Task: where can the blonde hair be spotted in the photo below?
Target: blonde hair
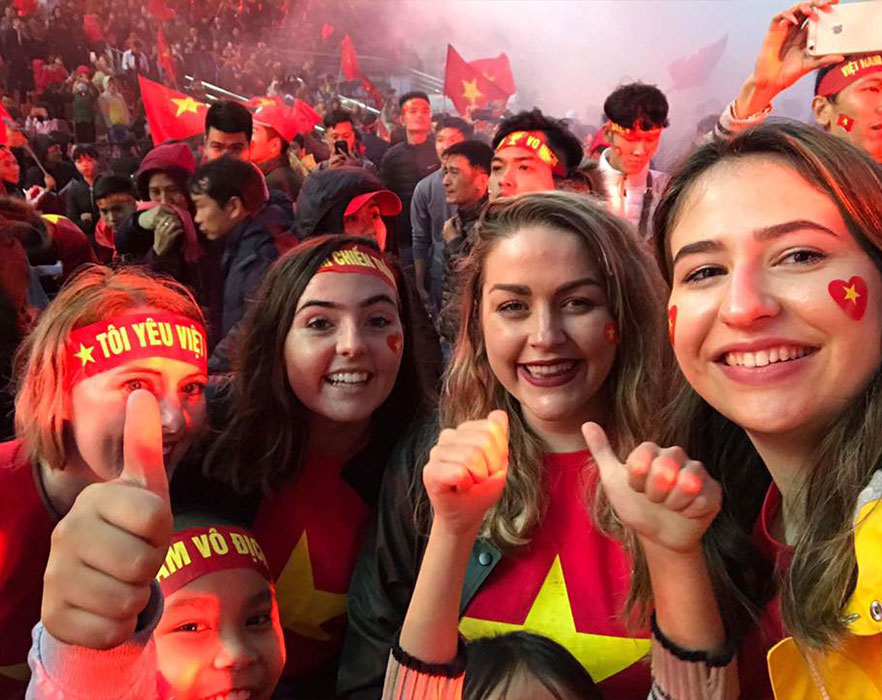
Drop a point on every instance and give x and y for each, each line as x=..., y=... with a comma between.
x=821, y=575
x=634, y=289
x=93, y=294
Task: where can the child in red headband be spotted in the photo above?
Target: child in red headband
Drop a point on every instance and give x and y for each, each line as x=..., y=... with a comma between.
x=211, y=628
x=105, y=336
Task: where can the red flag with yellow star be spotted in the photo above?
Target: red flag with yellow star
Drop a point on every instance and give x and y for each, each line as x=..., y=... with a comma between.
x=498, y=71
x=467, y=87
x=171, y=115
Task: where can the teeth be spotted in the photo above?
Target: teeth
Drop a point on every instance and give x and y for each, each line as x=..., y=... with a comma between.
x=762, y=358
x=348, y=377
x=550, y=370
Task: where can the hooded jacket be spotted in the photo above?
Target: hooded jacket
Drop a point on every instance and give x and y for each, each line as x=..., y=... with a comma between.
x=175, y=158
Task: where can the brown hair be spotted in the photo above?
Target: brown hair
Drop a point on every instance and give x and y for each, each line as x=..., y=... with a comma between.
x=92, y=294
x=634, y=290
x=264, y=444
x=820, y=578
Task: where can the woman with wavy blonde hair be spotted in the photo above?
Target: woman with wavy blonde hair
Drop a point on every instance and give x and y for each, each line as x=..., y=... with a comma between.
x=561, y=323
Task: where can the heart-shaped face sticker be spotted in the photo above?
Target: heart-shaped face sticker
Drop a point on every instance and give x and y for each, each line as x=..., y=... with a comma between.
x=394, y=342
x=672, y=322
x=611, y=333
x=851, y=296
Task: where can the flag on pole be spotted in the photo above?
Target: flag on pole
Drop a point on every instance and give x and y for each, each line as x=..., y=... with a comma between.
x=349, y=59
x=498, y=71
x=164, y=57
x=467, y=88
x=171, y=114
x=694, y=70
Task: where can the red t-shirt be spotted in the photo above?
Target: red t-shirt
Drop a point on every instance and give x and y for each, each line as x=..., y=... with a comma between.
x=25, y=529
x=569, y=584
x=753, y=671
x=312, y=532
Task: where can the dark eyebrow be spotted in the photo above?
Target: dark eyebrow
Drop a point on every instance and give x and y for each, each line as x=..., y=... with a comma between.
x=262, y=598
x=766, y=233
x=524, y=291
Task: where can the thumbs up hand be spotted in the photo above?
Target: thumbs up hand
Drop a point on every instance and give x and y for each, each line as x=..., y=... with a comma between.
x=661, y=494
x=466, y=472
x=108, y=548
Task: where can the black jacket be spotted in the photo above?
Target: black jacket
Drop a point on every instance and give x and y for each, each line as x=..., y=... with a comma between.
x=402, y=168
x=79, y=200
x=387, y=569
x=281, y=176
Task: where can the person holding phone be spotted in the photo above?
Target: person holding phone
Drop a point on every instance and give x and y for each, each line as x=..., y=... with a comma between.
x=848, y=89
x=342, y=139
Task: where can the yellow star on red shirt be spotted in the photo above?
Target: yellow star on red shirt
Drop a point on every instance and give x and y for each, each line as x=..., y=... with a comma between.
x=470, y=90
x=85, y=354
x=186, y=104
x=551, y=616
x=303, y=608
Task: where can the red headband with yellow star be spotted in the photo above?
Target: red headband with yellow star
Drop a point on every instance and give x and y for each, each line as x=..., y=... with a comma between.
x=536, y=141
x=199, y=551
x=108, y=344
x=848, y=71
x=360, y=260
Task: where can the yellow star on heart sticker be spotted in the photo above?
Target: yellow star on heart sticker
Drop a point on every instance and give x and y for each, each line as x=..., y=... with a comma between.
x=85, y=354
x=851, y=294
x=302, y=608
x=186, y=104
x=551, y=616
x=470, y=90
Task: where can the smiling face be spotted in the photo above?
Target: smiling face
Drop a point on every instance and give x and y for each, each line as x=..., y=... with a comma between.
x=97, y=412
x=344, y=348
x=543, y=315
x=517, y=170
x=220, y=634
x=764, y=331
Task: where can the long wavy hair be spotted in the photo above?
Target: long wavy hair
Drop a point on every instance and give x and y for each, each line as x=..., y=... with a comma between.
x=821, y=576
x=264, y=444
x=635, y=292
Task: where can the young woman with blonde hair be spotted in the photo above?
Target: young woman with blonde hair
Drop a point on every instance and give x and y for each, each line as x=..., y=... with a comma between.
x=561, y=323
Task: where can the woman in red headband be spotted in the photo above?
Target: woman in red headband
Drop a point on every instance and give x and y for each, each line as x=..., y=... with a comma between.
x=561, y=323
x=772, y=251
x=107, y=334
x=333, y=368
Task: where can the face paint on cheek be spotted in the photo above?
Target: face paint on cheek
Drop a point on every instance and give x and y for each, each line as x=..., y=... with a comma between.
x=395, y=342
x=851, y=296
x=672, y=322
x=611, y=333
x=845, y=122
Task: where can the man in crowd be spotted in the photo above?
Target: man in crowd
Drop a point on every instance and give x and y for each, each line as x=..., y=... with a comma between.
x=429, y=210
x=269, y=150
x=532, y=153
x=466, y=176
x=340, y=130
x=635, y=115
x=408, y=162
x=228, y=131
x=79, y=198
x=116, y=204
x=229, y=196
x=848, y=89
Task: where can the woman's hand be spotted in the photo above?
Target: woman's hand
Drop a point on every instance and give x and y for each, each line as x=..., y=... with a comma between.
x=666, y=498
x=106, y=551
x=466, y=472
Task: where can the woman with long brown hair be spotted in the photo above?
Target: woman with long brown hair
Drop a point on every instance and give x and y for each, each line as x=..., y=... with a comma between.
x=560, y=324
x=332, y=369
x=772, y=247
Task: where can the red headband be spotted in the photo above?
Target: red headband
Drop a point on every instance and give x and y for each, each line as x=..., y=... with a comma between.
x=536, y=141
x=199, y=551
x=636, y=130
x=359, y=260
x=843, y=74
x=108, y=344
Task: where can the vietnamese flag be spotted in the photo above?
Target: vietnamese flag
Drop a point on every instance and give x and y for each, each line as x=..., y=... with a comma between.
x=498, y=71
x=467, y=87
x=267, y=101
x=694, y=70
x=327, y=30
x=349, y=59
x=171, y=115
x=304, y=116
x=164, y=57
